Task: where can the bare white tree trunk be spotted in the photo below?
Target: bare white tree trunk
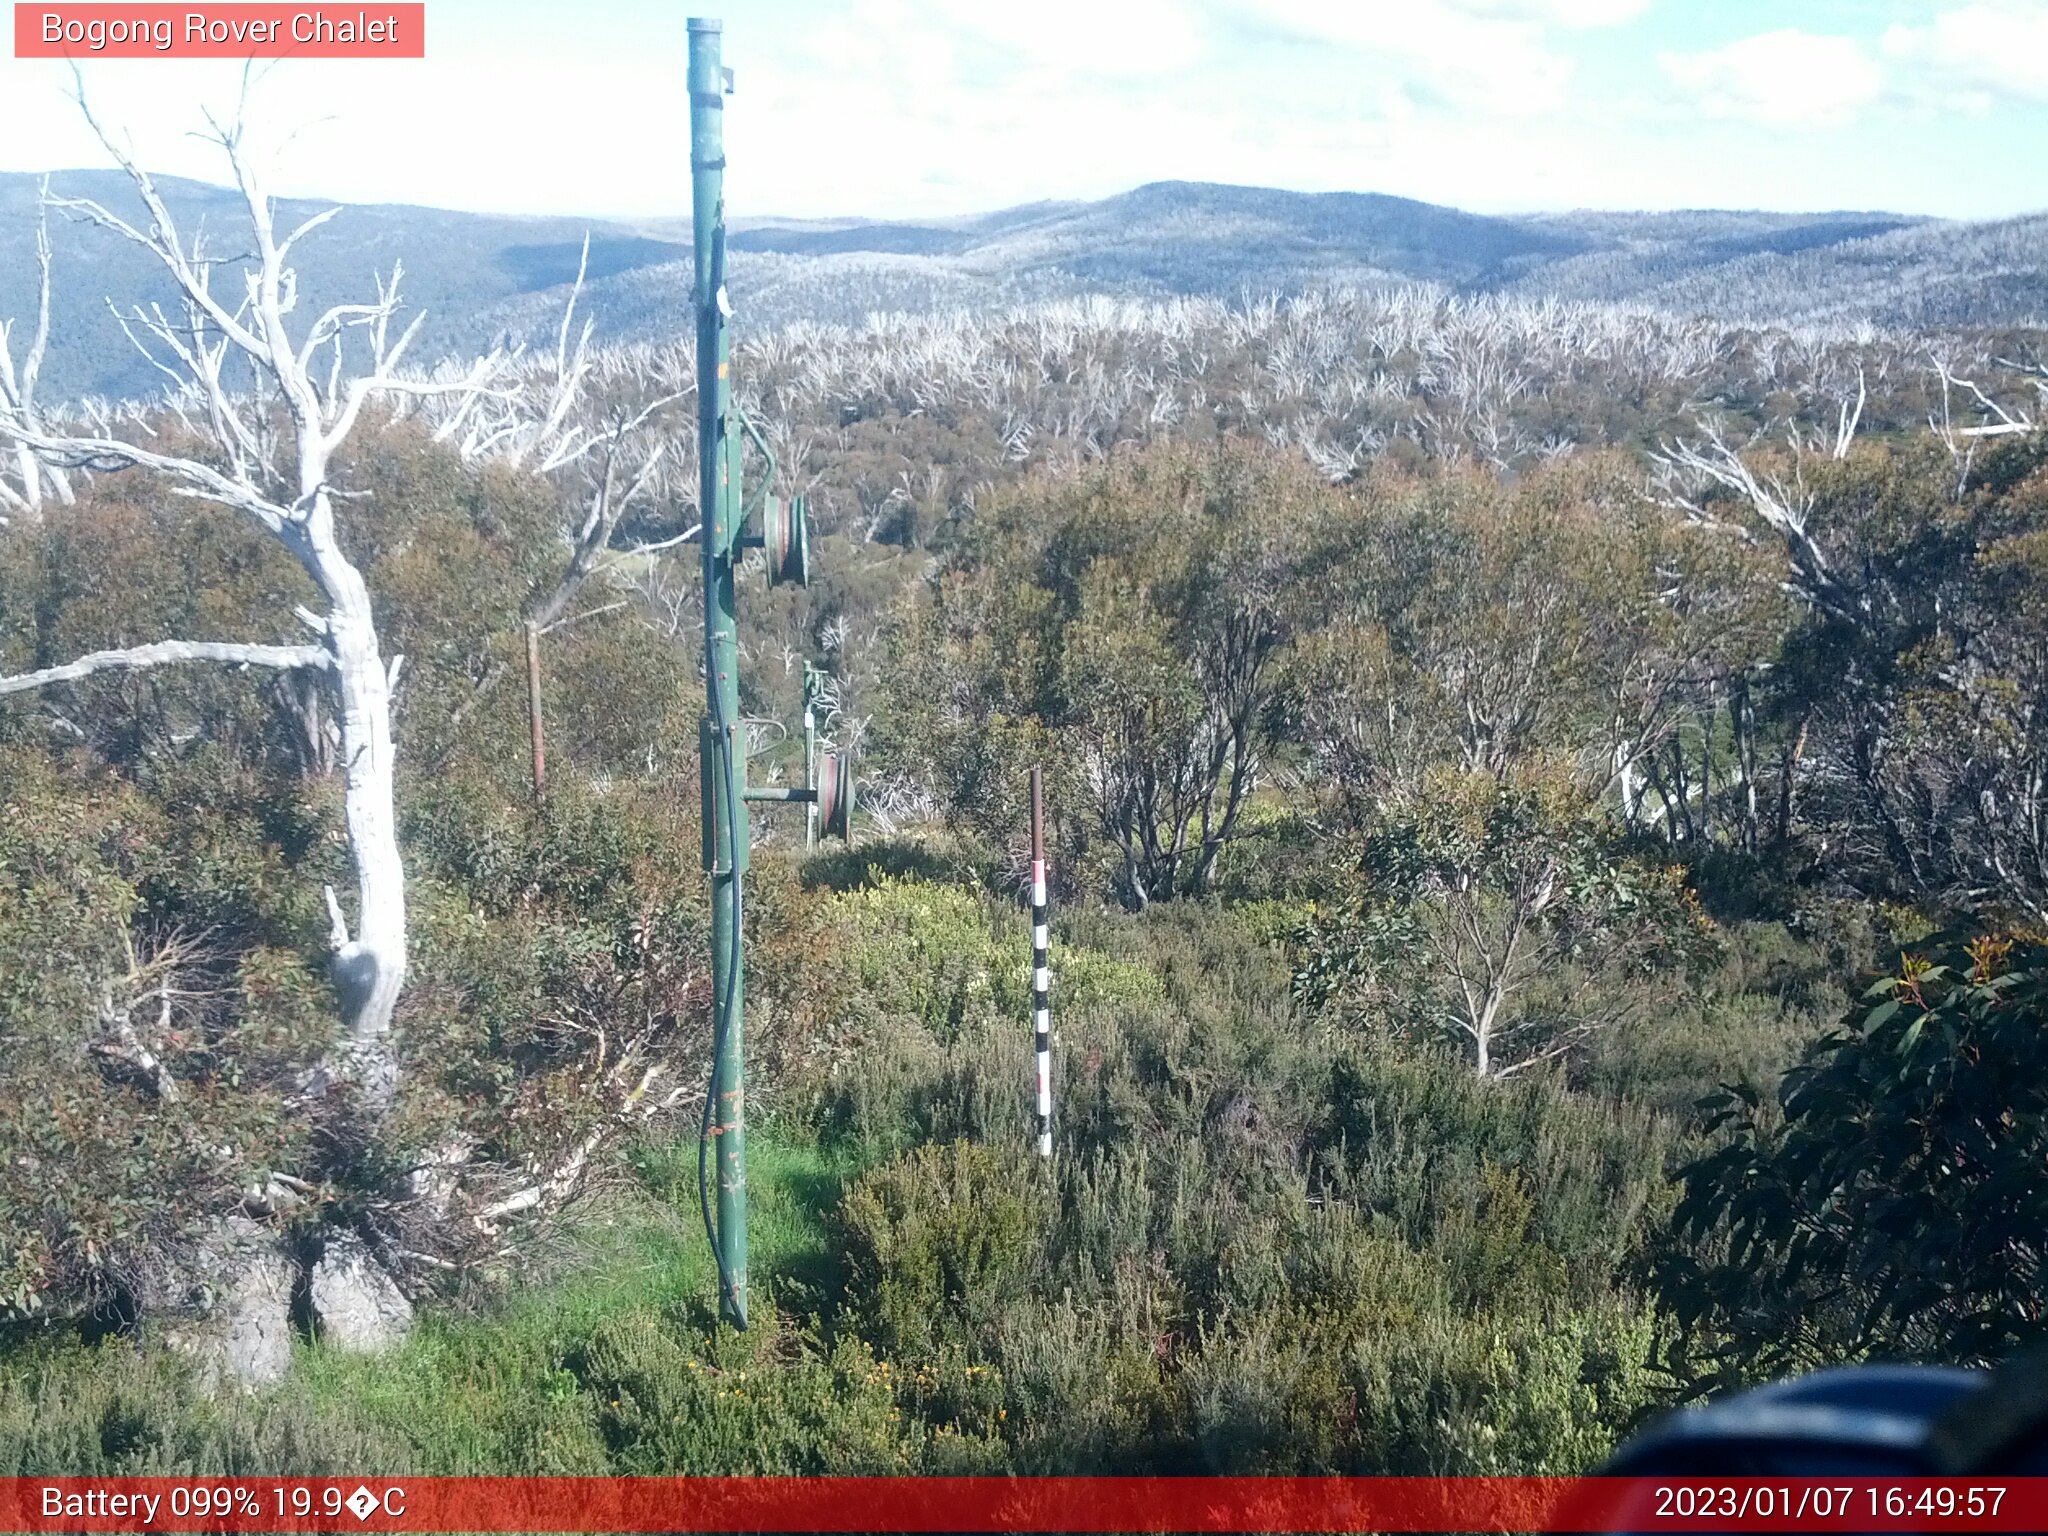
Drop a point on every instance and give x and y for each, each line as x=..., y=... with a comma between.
x=18, y=395
x=284, y=487
x=369, y=970
x=1625, y=777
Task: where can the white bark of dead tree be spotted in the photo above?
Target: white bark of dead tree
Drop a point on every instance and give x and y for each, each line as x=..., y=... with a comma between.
x=18, y=398
x=323, y=379
x=1784, y=504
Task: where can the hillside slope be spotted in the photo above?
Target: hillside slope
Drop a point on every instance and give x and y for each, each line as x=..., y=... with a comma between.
x=1925, y=273
x=456, y=265
x=482, y=277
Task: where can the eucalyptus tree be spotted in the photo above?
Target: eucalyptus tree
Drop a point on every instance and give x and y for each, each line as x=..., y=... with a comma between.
x=1912, y=686
x=272, y=402
x=1134, y=620
x=1500, y=914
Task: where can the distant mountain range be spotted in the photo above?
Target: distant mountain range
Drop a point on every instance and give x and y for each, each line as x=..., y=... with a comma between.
x=482, y=276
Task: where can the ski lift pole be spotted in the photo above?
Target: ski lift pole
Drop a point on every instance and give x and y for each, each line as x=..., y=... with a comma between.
x=720, y=739
x=1041, y=970
x=784, y=537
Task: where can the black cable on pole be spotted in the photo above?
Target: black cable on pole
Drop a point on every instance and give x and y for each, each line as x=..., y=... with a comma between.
x=721, y=731
x=722, y=1025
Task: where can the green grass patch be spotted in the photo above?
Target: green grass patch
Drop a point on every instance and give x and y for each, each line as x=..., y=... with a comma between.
x=496, y=1389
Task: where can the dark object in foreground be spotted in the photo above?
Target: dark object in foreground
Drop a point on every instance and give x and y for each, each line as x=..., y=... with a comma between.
x=1858, y=1421
x=1882, y=1421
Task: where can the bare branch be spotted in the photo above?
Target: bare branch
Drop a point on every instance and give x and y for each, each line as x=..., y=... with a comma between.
x=1848, y=417
x=104, y=453
x=167, y=653
x=1784, y=506
x=18, y=390
x=588, y=613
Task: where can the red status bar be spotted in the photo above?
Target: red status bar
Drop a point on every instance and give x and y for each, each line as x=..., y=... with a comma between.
x=972, y=1504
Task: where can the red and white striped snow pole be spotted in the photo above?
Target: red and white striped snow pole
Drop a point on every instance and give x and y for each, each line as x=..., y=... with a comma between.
x=1041, y=975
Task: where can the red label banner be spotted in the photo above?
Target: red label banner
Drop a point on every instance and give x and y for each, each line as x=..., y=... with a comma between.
x=375, y=31
x=974, y=1504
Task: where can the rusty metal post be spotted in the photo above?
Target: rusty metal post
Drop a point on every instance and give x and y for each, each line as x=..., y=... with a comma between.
x=540, y=746
x=1041, y=970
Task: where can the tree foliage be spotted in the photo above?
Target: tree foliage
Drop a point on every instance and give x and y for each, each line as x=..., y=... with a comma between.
x=1894, y=1204
x=1135, y=619
x=1500, y=914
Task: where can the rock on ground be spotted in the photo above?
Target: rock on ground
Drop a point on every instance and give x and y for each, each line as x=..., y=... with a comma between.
x=356, y=1304
x=233, y=1304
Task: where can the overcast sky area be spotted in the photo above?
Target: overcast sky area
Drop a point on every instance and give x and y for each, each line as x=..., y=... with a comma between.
x=920, y=108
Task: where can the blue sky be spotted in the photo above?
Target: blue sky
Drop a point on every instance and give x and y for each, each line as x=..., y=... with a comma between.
x=934, y=107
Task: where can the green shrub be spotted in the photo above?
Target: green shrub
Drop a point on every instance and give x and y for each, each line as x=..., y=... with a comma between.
x=937, y=1240
x=1771, y=992
x=1307, y=1388
x=1085, y=1396
x=921, y=953
x=1419, y=1143
x=930, y=856
x=116, y=1410
x=150, y=1066
x=769, y=1402
x=1894, y=1200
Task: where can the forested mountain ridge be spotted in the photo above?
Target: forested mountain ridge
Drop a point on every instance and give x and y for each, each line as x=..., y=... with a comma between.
x=481, y=276
x=455, y=264
x=1908, y=274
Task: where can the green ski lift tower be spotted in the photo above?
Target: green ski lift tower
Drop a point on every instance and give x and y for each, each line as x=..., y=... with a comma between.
x=781, y=531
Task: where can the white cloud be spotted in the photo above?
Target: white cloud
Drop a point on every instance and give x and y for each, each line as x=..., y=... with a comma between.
x=1994, y=47
x=1123, y=38
x=1498, y=65
x=1782, y=79
x=1564, y=13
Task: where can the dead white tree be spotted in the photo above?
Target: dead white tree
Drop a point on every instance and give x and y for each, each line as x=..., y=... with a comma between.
x=18, y=395
x=1998, y=420
x=620, y=464
x=272, y=443
x=1783, y=502
x=1994, y=419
